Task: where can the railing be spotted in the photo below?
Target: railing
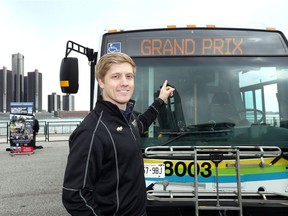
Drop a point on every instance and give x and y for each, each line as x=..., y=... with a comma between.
x=49, y=131
x=57, y=131
x=4, y=131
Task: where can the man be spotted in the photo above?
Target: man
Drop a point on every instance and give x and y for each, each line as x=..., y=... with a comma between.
x=35, y=133
x=105, y=171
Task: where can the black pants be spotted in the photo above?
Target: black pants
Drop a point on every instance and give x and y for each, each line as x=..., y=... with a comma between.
x=34, y=140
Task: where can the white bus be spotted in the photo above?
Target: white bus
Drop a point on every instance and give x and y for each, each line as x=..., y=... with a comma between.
x=220, y=145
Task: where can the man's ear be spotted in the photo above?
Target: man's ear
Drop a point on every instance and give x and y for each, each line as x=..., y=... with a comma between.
x=101, y=83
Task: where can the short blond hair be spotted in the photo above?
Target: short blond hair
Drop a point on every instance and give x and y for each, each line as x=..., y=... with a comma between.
x=106, y=61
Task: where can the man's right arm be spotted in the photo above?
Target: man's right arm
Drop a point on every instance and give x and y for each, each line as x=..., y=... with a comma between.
x=80, y=176
x=79, y=202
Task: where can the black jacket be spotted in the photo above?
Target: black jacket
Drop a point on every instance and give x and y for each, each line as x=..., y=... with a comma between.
x=105, y=172
x=35, y=126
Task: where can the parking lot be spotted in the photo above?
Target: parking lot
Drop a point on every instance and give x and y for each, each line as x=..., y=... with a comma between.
x=32, y=185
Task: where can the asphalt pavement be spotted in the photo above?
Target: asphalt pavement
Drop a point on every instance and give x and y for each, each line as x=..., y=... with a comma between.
x=32, y=185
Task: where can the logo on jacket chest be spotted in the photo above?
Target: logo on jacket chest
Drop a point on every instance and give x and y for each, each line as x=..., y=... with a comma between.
x=120, y=128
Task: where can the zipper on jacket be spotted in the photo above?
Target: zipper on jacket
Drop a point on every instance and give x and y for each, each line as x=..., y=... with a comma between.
x=132, y=132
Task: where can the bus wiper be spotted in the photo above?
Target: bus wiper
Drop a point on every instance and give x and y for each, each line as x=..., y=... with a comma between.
x=211, y=126
x=201, y=129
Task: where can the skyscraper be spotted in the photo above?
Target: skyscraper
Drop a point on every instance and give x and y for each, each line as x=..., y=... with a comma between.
x=68, y=102
x=5, y=89
x=15, y=87
x=33, y=90
x=18, y=77
x=54, y=102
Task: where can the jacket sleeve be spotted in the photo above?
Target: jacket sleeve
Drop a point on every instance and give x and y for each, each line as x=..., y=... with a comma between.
x=81, y=174
x=149, y=116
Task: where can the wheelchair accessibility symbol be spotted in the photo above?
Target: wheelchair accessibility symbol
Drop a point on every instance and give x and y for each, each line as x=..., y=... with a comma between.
x=113, y=47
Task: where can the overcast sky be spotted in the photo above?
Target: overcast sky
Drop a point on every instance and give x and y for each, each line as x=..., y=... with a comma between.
x=39, y=29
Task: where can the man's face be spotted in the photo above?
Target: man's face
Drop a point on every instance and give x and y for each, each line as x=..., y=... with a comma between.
x=118, y=84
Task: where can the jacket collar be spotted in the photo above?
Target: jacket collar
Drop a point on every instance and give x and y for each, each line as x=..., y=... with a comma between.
x=113, y=107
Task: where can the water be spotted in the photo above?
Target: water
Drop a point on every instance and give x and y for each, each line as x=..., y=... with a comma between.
x=48, y=126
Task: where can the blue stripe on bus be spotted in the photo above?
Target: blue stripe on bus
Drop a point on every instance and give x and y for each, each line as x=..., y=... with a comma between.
x=226, y=179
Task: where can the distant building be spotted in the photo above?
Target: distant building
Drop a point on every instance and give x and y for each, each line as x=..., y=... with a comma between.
x=33, y=90
x=17, y=77
x=68, y=102
x=15, y=87
x=54, y=102
x=5, y=90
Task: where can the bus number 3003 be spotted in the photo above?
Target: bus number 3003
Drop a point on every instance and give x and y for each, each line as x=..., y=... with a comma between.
x=180, y=169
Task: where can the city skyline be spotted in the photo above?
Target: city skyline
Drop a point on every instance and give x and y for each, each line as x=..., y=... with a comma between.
x=18, y=86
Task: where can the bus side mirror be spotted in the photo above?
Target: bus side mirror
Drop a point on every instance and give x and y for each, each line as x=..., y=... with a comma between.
x=69, y=75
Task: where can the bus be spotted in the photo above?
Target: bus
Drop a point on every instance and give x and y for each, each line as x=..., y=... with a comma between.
x=220, y=144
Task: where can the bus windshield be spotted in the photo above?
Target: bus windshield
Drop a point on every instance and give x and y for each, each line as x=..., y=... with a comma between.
x=231, y=100
x=231, y=84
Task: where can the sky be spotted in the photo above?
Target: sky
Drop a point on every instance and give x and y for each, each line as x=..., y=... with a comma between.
x=40, y=29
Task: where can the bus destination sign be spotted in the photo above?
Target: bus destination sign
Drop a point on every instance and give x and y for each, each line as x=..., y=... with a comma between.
x=190, y=46
x=179, y=42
